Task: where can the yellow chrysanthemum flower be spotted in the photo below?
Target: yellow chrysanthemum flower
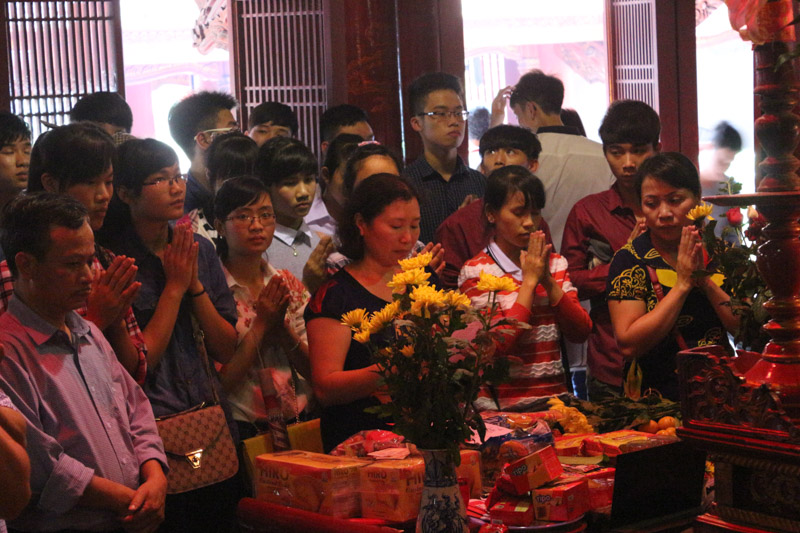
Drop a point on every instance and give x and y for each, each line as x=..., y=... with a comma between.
x=701, y=211
x=401, y=280
x=407, y=350
x=490, y=283
x=419, y=261
x=425, y=299
x=383, y=317
x=354, y=319
x=362, y=336
x=459, y=301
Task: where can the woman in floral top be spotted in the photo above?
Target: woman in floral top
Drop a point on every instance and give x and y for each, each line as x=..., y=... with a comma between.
x=269, y=303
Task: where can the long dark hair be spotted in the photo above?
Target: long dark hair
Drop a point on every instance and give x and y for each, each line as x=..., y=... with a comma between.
x=136, y=160
x=233, y=194
x=369, y=200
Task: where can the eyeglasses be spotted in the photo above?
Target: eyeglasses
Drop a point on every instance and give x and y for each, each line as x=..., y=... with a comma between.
x=216, y=132
x=265, y=218
x=158, y=182
x=443, y=115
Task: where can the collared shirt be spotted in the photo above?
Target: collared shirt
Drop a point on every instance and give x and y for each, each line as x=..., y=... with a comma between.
x=571, y=167
x=131, y=325
x=291, y=248
x=318, y=219
x=247, y=402
x=596, y=228
x=179, y=381
x=198, y=196
x=537, y=370
x=86, y=416
x=440, y=198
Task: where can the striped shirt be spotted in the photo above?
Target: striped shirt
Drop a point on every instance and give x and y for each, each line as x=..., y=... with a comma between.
x=536, y=369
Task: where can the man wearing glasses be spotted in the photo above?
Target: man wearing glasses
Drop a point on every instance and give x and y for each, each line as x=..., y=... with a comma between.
x=444, y=181
x=194, y=122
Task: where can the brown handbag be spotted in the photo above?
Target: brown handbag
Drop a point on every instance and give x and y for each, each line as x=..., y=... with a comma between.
x=199, y=447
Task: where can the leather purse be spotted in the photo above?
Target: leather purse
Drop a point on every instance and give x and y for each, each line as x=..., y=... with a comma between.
x=199, y=447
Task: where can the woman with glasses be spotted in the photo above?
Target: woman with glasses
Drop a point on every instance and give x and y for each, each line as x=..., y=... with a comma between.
x=272, y=344
x=183, y=294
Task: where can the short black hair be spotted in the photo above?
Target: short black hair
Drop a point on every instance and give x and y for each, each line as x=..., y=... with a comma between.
x=630, y=121
x=340, y=150
x=369, y=200
x=12, y=129
x=28, y=219
x=509, y=179
x=361, y=153
x=275, y=112
x=570, y=117
x=672, y=168
x=508, y=136
x=726, y=136
x=194, y=114
x=281, y=158
x=228, y=155
x=103, y=106
x=421, y=87
x=72, y=154
x=336, y=117
x=536, y=86
x=235, y=193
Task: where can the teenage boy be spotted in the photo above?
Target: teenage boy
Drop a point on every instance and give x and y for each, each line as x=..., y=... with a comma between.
x=109, y=110
x=97, y=461
x=15, y=158
x=443, y=180
x=343, y=118
x=571, y=167
x=601, y=224
x=289, y=169
x=271, y=119
x=464, y=234
x=193, y=123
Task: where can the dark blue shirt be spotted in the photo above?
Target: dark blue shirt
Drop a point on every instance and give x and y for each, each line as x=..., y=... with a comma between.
x=198, y=197
x=179, y=381
x=439, y=198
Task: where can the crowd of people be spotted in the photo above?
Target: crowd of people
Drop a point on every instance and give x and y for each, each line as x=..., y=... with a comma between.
x=131, y=291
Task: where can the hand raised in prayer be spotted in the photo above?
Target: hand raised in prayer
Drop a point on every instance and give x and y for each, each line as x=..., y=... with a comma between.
x=314, y=270
x=113, y=291
x=272, y=302
x=180, y=259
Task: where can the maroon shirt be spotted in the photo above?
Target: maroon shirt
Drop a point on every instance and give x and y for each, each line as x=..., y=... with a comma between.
x=598, y=226
x=463, y=235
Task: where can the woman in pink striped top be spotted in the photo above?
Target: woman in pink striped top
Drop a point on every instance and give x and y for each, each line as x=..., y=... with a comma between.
x=545, y=298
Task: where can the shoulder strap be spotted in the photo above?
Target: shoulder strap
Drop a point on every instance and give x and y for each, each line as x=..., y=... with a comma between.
x=199, y=340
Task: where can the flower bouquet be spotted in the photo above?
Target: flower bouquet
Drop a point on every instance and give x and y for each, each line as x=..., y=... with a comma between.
x=439, y=353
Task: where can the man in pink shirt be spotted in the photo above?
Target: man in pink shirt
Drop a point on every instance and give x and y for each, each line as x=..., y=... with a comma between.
x=97, y=461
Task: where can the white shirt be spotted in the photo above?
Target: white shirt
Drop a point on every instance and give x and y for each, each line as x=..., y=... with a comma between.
x=291, y=248
x=318, y=219
x=571, y=167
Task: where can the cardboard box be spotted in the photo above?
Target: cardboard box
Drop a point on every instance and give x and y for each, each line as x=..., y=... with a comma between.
x=572, y=445
x=562, y=502
x=513, y=511
x=392, y=489
x=601, y=487
x=470, y=468
x=534, y=470
x=611, y=444
x=310, y=481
